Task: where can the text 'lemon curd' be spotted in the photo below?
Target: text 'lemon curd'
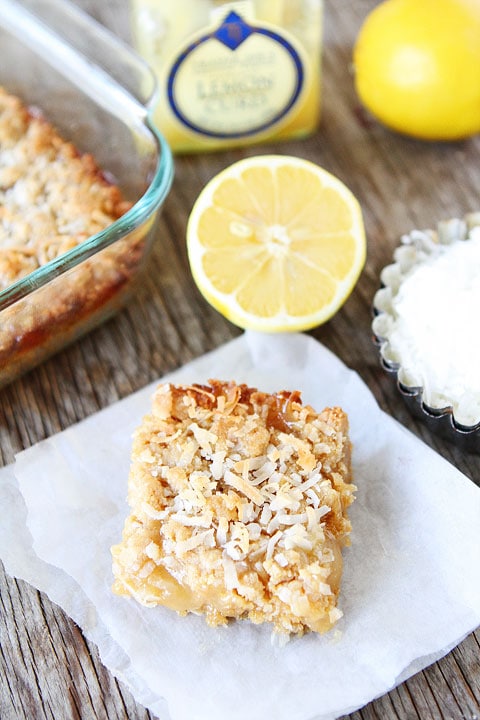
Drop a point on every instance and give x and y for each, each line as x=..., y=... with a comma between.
x=232, y=73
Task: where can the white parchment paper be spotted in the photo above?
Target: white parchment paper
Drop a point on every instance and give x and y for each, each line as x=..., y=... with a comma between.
x=411, y=583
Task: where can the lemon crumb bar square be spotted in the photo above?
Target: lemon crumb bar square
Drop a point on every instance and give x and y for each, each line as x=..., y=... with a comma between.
x=239, y=507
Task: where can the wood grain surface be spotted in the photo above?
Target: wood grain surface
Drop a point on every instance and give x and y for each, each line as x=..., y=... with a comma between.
x=48, y=670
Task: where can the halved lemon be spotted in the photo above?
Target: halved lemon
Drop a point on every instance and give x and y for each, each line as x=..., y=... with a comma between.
x=276, y=243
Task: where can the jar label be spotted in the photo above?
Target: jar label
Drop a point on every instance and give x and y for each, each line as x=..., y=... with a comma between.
x=237, y=80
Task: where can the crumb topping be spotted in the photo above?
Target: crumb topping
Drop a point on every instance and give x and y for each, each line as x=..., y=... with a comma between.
x=51, y=197
x=241, y=496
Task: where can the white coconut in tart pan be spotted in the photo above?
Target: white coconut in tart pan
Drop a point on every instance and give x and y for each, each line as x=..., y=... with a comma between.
x=427, y=325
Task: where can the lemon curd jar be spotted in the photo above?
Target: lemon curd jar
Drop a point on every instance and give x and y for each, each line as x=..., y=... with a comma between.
x=232, y=73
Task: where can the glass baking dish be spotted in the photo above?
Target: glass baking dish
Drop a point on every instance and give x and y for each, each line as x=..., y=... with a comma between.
x=97, y=93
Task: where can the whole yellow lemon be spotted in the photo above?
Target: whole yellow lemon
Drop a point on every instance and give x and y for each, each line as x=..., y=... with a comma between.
x=417, y=67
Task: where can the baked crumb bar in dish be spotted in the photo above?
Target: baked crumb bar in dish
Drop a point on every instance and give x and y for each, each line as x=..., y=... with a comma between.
x=52, y=199
x=239, y=505
x=84, y=174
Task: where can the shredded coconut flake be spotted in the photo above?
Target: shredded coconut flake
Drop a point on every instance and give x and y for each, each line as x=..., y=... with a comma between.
x=222, y=531
x=243, y=486
x=334, y=615
x=205, y=438
x=152, y=551
x=265, y=515
x=230, y=572
x=204, y=538
x=285, y=519
x=216, y=466
x=281, y=560
x=296, y=536
x=192, y=520
x=271, y=544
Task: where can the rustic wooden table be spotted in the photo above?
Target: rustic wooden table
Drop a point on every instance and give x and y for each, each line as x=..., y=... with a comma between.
x=47, y=668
